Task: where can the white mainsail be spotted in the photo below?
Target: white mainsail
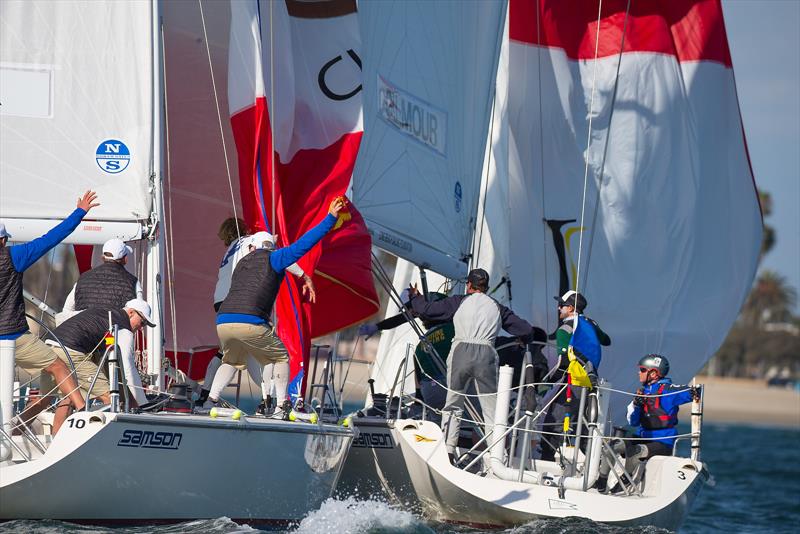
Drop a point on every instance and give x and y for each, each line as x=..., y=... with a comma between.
x=76, y=88
x=428, y=79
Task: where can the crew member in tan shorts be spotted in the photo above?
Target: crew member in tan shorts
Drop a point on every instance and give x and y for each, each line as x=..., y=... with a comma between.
x=16, y=341
x=243, y=319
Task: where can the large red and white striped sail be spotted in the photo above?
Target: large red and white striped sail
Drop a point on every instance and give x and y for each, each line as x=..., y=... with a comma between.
x=294, y=84
x=667, y=244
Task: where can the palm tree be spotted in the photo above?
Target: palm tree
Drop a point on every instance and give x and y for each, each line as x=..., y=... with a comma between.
x=771, y=300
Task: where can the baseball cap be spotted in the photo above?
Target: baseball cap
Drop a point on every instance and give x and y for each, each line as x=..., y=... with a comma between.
x=572, y=298
x=115, y=249
x=3, y=231
x=259, y=238
x=479, y=278
x=143, y=308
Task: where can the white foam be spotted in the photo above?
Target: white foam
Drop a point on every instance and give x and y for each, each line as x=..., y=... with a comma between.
x=351, y=516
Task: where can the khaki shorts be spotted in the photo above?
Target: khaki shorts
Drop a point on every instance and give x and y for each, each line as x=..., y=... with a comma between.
x=85, y=368
x=238, y=340
x=32, y=354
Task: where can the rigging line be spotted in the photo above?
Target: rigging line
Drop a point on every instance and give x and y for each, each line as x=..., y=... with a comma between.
x=47, y=285
x=588, y=143
x=219, y=115
x=272, y=119
x=608, y=136
x=168, y=238
x=547, y=307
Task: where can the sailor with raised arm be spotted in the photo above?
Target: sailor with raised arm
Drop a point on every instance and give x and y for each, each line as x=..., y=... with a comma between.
x=233, y=232
x=243, y=320
x=477, y=319
x=16, y=341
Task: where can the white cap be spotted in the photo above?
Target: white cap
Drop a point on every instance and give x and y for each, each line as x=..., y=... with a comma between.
x=115, y=249
x=259, y=238
x=3, y=231
x=143, y=308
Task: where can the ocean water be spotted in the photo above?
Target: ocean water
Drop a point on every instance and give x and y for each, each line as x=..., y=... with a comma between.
x=755, y=487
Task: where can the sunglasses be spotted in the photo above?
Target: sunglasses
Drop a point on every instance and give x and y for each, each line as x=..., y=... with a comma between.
x=643, y=369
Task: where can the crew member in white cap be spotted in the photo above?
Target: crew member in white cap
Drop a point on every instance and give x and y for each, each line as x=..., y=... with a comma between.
x=83, y=336
x=108, y=286
x=243, y=320
x=233, y=232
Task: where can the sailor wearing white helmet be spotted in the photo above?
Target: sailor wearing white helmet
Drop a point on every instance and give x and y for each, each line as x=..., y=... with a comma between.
x=243, y=320
x=233, y=233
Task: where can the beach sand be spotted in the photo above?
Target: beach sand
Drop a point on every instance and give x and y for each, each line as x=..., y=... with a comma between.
x=741, y=400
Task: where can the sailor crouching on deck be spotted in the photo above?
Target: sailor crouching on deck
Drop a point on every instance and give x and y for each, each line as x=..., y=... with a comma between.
x=83, y=336
x=243, y=321
x=477, y=319
x=31, y=352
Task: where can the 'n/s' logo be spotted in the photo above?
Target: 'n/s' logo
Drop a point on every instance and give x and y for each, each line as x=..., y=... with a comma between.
x=112, y=156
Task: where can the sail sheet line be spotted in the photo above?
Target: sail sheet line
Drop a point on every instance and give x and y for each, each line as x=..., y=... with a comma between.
x=219, y=116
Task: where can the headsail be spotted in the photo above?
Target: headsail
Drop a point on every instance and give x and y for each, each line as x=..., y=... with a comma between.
x=294, y=79
x=669, y=241
x=428, y=84
x=59, y=134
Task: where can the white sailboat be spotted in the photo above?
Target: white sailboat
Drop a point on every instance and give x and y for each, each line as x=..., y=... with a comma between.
x=119, y=97
x=636, y=217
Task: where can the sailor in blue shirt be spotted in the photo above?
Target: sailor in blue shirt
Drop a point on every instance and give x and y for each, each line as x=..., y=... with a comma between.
x=243, y=320
x=657, y=415
x=17, y=342
x=654, y=410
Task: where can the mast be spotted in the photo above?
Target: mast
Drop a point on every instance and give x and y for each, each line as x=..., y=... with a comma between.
x=155, y=260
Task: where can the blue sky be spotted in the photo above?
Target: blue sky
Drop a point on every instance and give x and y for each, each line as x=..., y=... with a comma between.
x=764, y=37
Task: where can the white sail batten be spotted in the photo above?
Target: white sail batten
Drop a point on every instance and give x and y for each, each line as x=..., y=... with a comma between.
x=87, y=233
x=76, y=114
x=427, y=101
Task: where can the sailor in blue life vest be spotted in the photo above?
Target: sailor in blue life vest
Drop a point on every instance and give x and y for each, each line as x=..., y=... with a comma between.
x=657, y=415
x=654, y=410
x=586, y=344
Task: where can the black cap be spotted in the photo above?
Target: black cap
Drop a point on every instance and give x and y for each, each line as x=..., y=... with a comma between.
x=479, y=279
x=574, y=299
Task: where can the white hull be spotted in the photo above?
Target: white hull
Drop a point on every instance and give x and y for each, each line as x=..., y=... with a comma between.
x=375, y=463
x=454, y=495
x=160, y=468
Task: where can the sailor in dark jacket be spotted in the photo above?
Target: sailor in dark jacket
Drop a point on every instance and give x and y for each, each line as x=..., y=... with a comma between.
x=477, y=319
x=16, y=341
x=108, y=286
x=243, y=320
x=83, y=336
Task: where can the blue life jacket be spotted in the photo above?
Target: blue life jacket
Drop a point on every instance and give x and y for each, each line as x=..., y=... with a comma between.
x=585, y=342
